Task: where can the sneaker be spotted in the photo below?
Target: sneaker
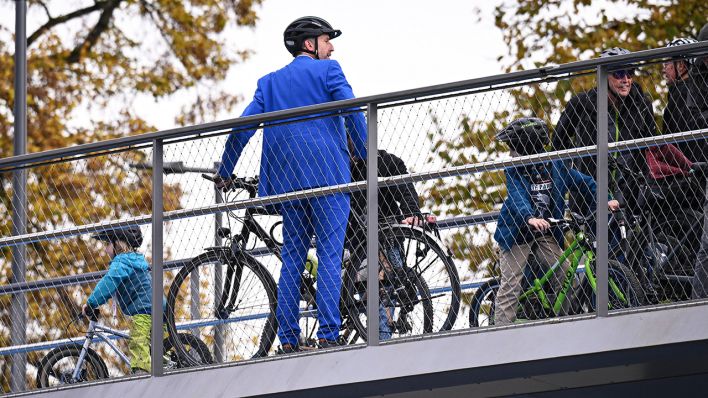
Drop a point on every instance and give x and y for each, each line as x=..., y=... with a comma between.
x=324, y=343
x=287, y=349
x=139, y=372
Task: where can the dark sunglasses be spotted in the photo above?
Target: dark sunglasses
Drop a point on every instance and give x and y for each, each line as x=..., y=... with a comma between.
x=620, y=74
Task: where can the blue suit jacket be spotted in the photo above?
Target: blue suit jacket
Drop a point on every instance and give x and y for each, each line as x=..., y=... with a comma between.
x=517, y=208
x=306, y=154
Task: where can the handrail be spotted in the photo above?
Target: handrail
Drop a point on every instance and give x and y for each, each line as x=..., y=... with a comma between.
x=255, y=120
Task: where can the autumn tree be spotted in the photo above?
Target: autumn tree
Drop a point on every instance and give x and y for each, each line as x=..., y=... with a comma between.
x=88, y=62
x=538, y=33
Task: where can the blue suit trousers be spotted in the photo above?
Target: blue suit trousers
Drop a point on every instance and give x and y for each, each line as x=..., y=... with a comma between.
x=325, y=217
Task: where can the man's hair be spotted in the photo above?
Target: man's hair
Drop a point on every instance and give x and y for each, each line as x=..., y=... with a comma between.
x=311, y=40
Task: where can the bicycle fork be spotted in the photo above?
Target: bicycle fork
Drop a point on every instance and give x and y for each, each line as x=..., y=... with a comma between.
x=232, y=285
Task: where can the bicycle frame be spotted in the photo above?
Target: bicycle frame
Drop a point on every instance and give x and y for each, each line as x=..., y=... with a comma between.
x=98, y=331
x=578, y=248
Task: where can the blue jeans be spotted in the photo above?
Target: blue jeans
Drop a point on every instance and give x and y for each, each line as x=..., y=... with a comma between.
x=386, y=307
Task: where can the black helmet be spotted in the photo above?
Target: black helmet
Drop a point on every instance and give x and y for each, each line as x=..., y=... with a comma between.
x=131, y=235
x=703, y=34
x=611, y=52
x=526, y=136
x=681, y=41
x=305, y=28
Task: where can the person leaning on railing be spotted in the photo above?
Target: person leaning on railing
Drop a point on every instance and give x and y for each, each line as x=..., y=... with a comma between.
x=630, y=116
x=302, y=155
x=535, y=193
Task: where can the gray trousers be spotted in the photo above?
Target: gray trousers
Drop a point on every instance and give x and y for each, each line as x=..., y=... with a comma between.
x=512, y=264
x=699, y=283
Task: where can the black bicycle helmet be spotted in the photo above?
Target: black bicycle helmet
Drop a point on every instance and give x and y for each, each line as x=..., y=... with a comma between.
x=133, y=236
x=611, y=52
x=526, y=136
x=304, y=28
x=679, y=42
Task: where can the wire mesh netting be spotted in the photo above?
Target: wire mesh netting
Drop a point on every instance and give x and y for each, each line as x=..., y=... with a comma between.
x=463, y=241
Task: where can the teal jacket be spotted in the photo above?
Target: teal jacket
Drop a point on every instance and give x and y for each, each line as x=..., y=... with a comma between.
x=128, y=279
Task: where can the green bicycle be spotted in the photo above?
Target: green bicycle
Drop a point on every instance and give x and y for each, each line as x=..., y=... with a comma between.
x=577, y=294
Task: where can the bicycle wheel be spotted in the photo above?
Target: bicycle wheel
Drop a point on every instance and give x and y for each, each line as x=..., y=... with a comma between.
x=686, y=227
x=629, y=291
x=482, y=304
x=196, y=349
x=57, y=367
x=235, y=314
x=435, y=272
x=309, y=323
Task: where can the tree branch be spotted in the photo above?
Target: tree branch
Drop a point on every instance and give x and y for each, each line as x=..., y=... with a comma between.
x=101, y=26
x=52, y=22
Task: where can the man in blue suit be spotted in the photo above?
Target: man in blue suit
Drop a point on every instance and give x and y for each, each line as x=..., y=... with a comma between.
x=301, y=155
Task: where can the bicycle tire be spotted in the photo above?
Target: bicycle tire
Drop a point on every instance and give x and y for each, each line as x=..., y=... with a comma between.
x=420, y=253
x=93, y=368
x=247, y=330
x=309, y=323
x=686, y=227
x=412, y=315
x=626, y=281
x=199, y=351
x=482, y=305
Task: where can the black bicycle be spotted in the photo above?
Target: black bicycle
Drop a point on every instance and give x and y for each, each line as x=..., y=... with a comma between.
x=237, y=316
x=660, y=250
x=236, y=313
x=419, y=288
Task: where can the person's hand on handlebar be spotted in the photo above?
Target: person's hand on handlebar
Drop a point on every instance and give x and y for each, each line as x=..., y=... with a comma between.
x=539, y=224
x=613, y=205
x=220, y=182
x=90, y=313
x=418, y=220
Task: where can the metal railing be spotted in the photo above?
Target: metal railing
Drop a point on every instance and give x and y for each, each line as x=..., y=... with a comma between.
x=373, y=105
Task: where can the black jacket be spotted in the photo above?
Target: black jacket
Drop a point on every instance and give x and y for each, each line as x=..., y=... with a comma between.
x=687, y=109
x=633, y=118
x=682, y=113
x=395, y=202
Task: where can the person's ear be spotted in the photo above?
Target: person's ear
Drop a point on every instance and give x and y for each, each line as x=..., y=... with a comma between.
x=309, y=45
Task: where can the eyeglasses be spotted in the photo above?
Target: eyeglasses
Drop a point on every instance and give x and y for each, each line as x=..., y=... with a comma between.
x=620, y=74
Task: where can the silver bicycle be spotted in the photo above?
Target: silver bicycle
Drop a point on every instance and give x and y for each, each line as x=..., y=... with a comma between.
x=77, y=362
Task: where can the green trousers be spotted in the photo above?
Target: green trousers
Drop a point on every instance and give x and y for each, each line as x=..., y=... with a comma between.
x=139, y=343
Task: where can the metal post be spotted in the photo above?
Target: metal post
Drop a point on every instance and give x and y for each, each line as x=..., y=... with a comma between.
x=601, y=259
x=218, y=278
x=18, y=304
x=372, y=227
x=157, y=258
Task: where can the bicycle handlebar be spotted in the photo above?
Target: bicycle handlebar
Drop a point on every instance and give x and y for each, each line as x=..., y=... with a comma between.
x=249, y=184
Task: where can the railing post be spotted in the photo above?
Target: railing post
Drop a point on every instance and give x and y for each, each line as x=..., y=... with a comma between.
x=372, y=227
x=601, y=258
x=218, y=277
x=18, y=306
x=157, y=259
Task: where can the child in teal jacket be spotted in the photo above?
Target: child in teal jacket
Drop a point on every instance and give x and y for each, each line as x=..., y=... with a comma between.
x=128, y=281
